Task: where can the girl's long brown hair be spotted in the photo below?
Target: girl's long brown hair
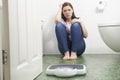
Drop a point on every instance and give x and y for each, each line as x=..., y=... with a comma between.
x=68, y=4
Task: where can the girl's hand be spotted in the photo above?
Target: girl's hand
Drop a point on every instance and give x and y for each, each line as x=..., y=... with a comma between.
x=60, y=6
x=75, y=20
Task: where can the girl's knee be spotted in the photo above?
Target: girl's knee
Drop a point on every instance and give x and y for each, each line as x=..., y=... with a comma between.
x=59, y=25
x=75, y=25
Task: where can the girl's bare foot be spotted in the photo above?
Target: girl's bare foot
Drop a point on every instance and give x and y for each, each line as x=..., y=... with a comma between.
x=73, y=55
x=66, y=56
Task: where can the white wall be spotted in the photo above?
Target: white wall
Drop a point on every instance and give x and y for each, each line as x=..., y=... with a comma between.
x=86, y=9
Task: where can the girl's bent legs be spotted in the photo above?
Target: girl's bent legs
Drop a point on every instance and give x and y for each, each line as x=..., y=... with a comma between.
x=61, y=35
x=78, y=43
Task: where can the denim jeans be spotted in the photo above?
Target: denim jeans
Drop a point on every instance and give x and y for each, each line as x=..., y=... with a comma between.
x=75, y=44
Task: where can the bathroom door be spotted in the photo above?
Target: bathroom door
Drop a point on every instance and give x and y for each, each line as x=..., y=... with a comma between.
x=25, y=43
x=1, y=65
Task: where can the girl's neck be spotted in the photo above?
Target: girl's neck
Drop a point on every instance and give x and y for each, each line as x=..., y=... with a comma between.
x=68, y=20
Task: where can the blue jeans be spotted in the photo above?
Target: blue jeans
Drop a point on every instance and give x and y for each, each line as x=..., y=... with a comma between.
x=75, y=44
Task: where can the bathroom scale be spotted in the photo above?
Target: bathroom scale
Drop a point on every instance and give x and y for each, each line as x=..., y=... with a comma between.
x=66, y=70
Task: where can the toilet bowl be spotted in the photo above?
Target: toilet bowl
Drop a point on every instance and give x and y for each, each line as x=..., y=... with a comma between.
x=110, y=34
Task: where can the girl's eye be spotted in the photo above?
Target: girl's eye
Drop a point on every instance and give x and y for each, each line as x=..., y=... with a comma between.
x=69, y=10
x=64, y=10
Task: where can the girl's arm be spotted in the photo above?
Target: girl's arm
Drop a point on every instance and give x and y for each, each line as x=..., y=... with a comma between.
x=85, y=33
x=58, y=17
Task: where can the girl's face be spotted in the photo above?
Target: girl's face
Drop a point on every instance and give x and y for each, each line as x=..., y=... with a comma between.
x=67, y=12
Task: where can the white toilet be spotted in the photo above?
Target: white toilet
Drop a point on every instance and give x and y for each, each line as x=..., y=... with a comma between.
x=110, y=34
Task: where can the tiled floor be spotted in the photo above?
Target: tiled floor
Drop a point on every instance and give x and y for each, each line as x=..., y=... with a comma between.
x=99, y=67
